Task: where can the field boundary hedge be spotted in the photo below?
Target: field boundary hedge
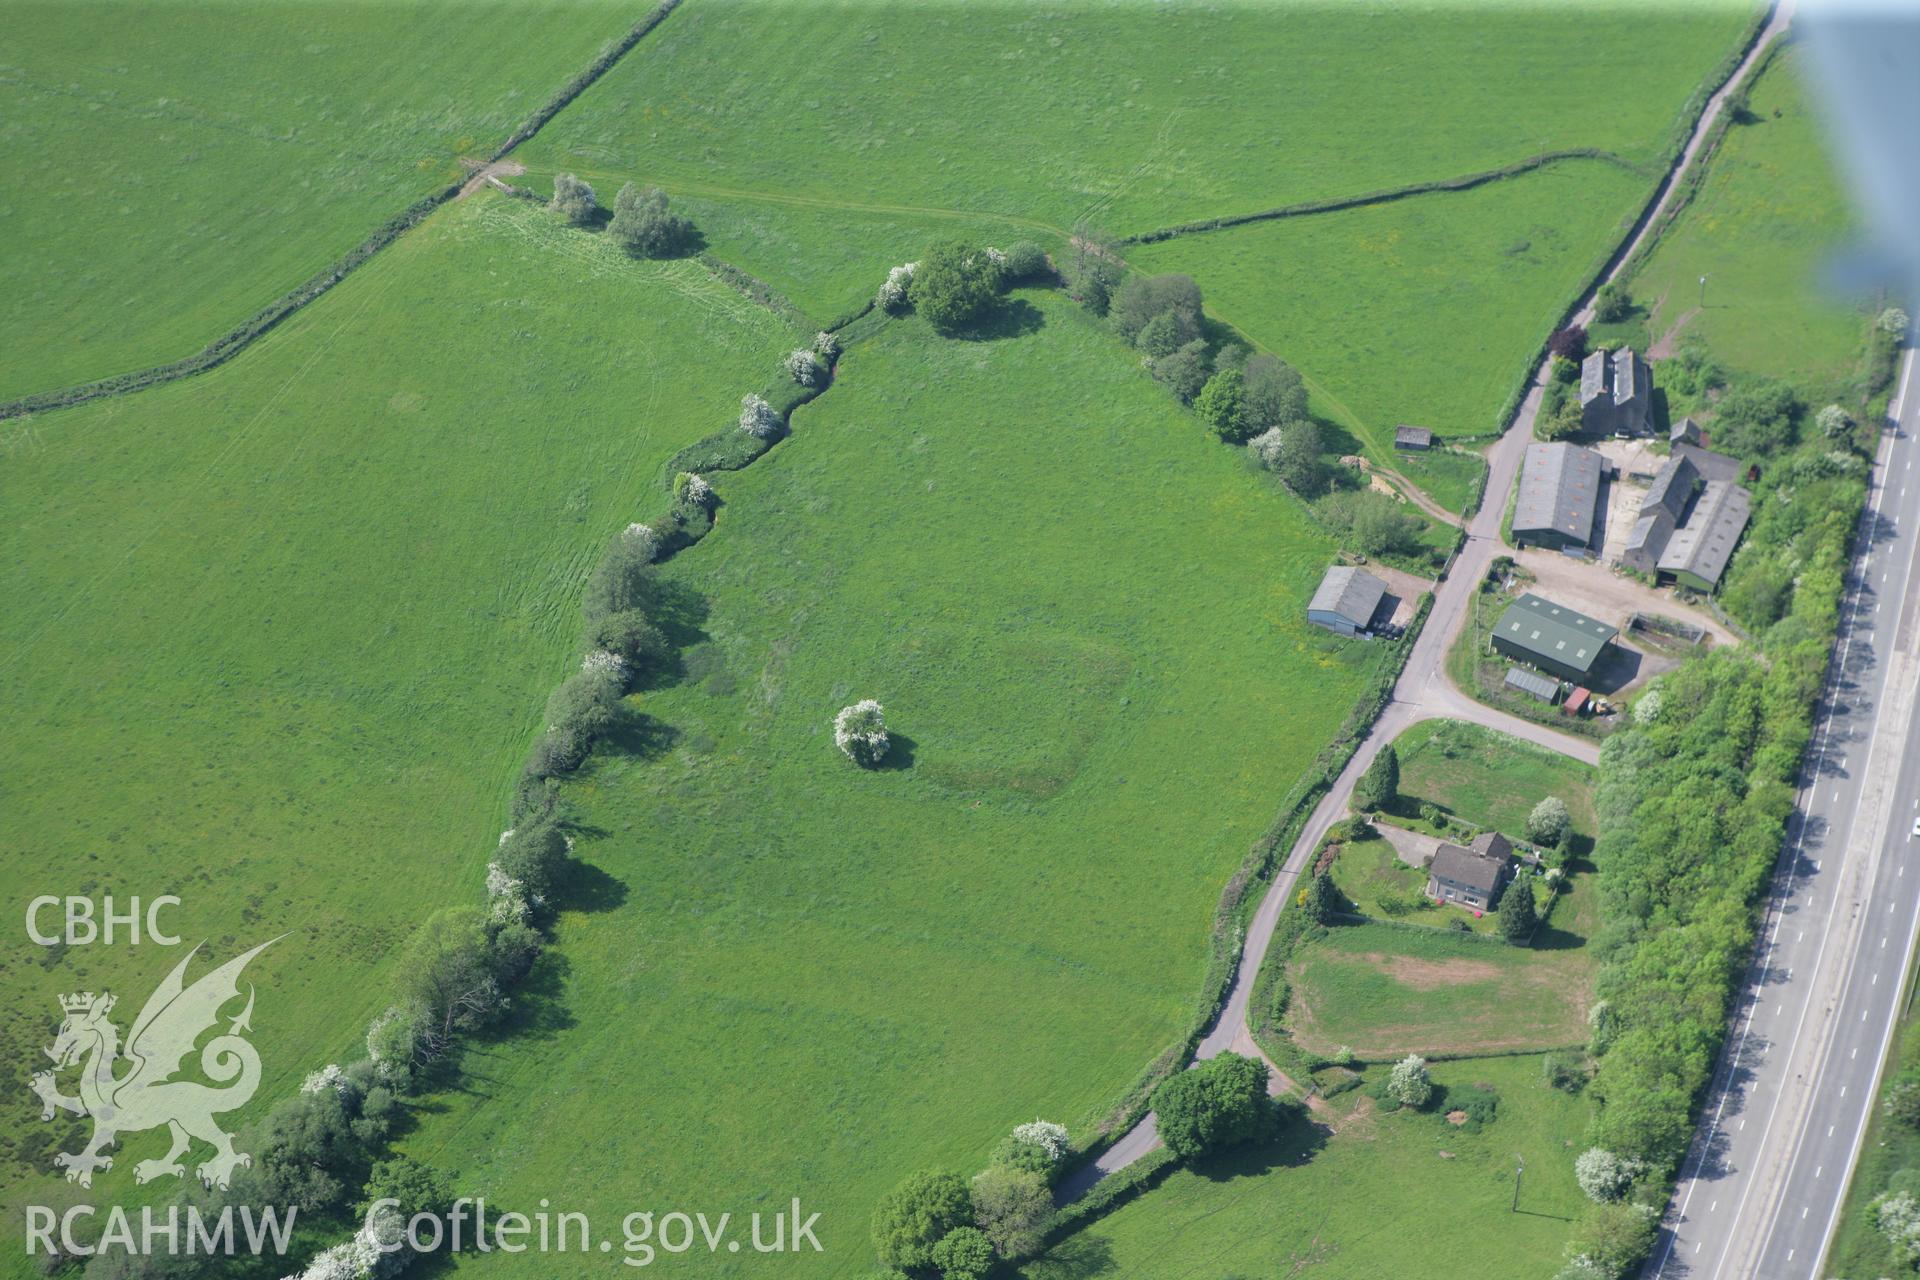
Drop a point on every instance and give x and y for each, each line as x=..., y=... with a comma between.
x=1384, y=195
x=1614, y=263
x=1228, y=936
x=239, y=338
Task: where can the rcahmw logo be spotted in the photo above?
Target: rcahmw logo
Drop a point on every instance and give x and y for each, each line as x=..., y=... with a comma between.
x=147, y=1094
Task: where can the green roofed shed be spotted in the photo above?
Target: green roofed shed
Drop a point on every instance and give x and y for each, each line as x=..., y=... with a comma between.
x=1552, y=637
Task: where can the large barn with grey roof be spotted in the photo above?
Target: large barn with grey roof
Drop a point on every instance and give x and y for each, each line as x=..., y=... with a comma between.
x=1690, y=519
x=1559, y=497
x=1553, y=638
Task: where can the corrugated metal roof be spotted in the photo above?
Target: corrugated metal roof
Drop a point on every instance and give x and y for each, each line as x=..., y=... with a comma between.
x=1559, y=489
x=1530, y=682
x=1564, y=636
x=1348, y=593
x=1703, y=545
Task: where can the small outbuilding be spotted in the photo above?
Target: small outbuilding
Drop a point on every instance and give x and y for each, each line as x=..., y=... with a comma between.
x=1471, y=875
x=1553, y=638
x=1346, y=601
x=1685, y=431
x=1533, y=684
x=1419, y=438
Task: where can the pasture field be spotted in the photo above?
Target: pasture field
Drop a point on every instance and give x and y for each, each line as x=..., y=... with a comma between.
x=1085, y=621
x=1426, y=310
x=163, y=194
x=1131, y=117
x=277, y=636
x=1387, y=992
x=1761, y=229
x=1386, y=1194
x=1452, y=478
x=1490, y=778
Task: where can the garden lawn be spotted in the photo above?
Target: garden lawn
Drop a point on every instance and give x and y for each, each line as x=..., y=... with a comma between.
x=1085, y=622
x=277, y=637
x=1386, y=992
x=1762, y=228
x=1403, y=1194
x=176, y=166
x=1490, y=778
x=1428, y=310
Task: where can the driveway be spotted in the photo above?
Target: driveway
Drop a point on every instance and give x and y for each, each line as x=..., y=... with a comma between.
x=1599, y=592
x=1415, y=848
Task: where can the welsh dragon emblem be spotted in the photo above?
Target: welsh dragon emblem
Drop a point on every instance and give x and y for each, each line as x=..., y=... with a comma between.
x=146, y=1095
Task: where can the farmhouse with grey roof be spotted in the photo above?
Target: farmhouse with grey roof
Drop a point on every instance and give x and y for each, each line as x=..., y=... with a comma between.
x=1616, y=394
x=1559, y=497
x=1473, y=875
x=1689, y=520
x=1346, y=600
x=1552, y=637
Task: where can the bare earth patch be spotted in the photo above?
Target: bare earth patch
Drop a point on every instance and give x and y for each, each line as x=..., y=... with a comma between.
x=1430, y=975
x=1456, y=1118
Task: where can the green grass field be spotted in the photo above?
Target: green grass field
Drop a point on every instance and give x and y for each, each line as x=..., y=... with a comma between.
x=277, y=636
x=1423, y=311
x=1766, y=219
x=1386, y=992
x=1490, y=778
x=163, y=194
x=814, y=980
x=1386, y=1195
x=1131, y=117
x=1891, y=1151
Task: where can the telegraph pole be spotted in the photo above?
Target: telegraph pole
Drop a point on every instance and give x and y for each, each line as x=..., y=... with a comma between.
x=1703, y=293
x=1520, y=1167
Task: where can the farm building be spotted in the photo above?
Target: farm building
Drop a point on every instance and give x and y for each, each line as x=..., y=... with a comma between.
x=1552, y=637
x=1697, y=553
x=1471, y=875
x=1689, y=522
x=1412, y=438
x=1559, y=497
x=1616, y=394
x=1346, y=600
x=1685, y=431
x=1534, y=685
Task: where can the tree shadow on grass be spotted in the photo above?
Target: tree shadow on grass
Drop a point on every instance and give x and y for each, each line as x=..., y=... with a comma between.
x=1013, y=318
x=1297, y=1143
x=581, y=886
x=900, y=753
x=642, y=736
x=1078, y=1257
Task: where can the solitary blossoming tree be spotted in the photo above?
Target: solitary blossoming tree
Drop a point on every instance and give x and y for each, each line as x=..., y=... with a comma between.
x=1408, y=1083
x=893, y=294
x=861, y=731
x=805, y=368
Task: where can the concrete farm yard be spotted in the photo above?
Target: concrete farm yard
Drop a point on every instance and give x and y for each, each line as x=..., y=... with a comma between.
x=318, y=645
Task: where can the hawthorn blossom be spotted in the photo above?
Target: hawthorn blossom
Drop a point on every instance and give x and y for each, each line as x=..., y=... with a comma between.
x=327, y=1077
x=826, y=345
x=804, y=367
x=1050, y=1137
x=861, y=732
x=643, y=536
x=694, y=488
x=604, y=662
x=1266, y=448
x=893, y=294
x=757, y=418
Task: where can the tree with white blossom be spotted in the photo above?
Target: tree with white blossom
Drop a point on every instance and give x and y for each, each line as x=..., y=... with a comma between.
x=1408, y=1082
x=1647, y=710
x=758, y=418
x=1894, y=321
x=805, y=368
x=327, y=1077
x=893, y=294
x=1897, y=1214
x=1605, y=1176
x=861, y=732
x=1045, y=1134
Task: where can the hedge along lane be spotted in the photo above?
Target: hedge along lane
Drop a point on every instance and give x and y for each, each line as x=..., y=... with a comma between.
x=239, y=338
